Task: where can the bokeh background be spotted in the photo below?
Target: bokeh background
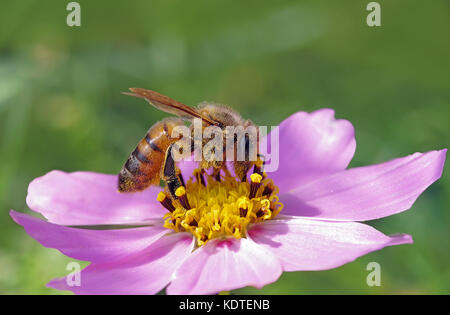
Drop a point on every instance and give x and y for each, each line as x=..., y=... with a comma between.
x=61, y=107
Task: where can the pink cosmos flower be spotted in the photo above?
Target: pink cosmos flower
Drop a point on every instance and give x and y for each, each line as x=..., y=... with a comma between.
x=316, y=230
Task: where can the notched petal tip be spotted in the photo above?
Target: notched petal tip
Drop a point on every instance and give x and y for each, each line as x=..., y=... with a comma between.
x=16, y=216
x=368, y=192
x=22, y=218
x=319, y=143
x=399, y=239
x=57, y=284
x=442, y=154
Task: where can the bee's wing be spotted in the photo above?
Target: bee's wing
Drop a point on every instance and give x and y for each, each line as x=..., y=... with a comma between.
x=169, y=105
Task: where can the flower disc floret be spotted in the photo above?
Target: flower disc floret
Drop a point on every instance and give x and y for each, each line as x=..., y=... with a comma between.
x=222, y=207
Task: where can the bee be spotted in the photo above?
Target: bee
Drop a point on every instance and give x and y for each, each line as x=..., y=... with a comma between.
x=152, y=159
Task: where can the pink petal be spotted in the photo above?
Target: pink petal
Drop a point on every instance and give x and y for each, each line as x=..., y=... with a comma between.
x=367, y=193
x=84, y=198
x=187, y=167
x=147, y=272
x=223, y=265
x=312, y=145
x=304, y=244
x=90, y=245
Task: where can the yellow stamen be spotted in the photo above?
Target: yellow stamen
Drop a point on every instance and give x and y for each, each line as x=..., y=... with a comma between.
x=256, y=178
x=222, y=208
x=181, y=191
x=165, y=201
x=161, y=196
x=255, y=184
x=181, y=194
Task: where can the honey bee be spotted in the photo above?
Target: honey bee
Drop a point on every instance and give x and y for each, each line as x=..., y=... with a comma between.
x=152, y=160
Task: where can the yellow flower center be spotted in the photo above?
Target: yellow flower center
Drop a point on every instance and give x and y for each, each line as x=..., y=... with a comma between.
x=220, y=206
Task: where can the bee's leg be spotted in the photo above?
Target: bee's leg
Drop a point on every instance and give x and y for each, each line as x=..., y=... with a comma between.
x=216, y=173
x=170, y=173
x=225, y=170
x=216, y=168
x=180, y=177
x=241, y=169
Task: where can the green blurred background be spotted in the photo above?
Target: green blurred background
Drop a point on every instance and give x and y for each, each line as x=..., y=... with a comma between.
x=61, y=107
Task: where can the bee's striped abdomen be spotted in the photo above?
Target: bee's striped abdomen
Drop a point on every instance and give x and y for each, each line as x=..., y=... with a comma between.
x=143, y=166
